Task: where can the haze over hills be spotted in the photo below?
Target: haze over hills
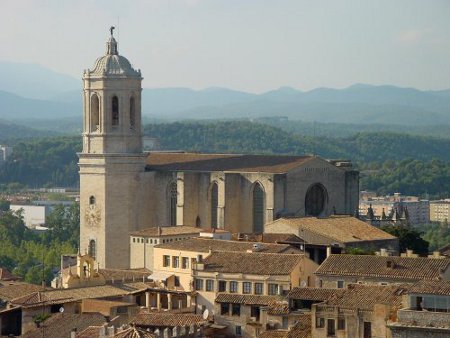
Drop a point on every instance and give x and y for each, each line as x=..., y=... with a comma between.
x=48, y=94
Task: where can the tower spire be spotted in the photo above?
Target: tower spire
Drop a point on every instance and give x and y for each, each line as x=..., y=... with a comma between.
x=111, y=45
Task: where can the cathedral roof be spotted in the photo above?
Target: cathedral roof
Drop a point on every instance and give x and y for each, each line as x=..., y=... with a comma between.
x=173, y=161
x=113, y=64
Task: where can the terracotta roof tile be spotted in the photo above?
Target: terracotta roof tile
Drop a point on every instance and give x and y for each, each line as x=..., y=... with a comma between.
x=9, y=292
x=315, y=294
x=134, y=332
x=61, y=296
x=167, y=231
x=387, y=267
x=61, y=324
x=5, y=275
x=199, y=244
x=365, y=297
x=252, y=263
x=234, y=298
x=344, y=229
x=278, y=308
x=166, y=319
x=431, y=287
x=173, y=161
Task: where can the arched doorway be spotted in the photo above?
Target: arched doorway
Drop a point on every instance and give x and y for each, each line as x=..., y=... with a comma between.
x=315, y=200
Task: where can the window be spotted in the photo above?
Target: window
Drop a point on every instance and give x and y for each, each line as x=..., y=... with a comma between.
x=173, y=194
x=285, y=323
x=95, y=113
x=91, y=200
x=198, y=222
x=175, y=262
x=246, y=287
x=214, y=204
x=225, y=309
x=315, y=200
x=273, y=289
x=340, y=284
x=320, y=322
x=367, y=330
x=134, y=240
x=238, y=331
x=222, y=286
x=115, y=111
x=132, y=114
x=209, y=285
x=235, y=309
x=166, y=260
x=199, y=284
x=258, y=209
x=320, y=283
x=255, y=312
x=92, y=248
x=331, y=329
x=233, y=287
x=177, y=281
x=258, y=288
x=185, y=263
x=341, y=324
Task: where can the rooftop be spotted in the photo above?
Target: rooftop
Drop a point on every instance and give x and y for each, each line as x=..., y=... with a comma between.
x=61, y=296
x=200, y=244
x=276, y=164
x=302, y=329
x=5, y=275
x=315, y=294
x=14, y=290
x=387, y=267
x=441, y=287
x=345, y=229
x=365, y=297
x=167, y=231
x=234, y=298
x=60, y=325
x=254, y=263
x=166, y=319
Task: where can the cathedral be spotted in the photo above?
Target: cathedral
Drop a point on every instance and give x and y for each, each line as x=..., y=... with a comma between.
x=124, y=189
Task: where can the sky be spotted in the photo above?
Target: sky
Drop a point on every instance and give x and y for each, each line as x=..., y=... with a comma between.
x=250, y=45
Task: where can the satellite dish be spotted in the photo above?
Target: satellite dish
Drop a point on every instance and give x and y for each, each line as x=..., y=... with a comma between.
x=205, y=314
x=303, y=284
x=61, y=309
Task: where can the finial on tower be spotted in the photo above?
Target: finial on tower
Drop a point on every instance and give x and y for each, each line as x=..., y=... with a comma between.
x=111, y=29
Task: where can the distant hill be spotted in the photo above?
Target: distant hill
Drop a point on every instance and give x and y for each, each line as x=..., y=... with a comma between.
x=34, y=81
x=32, y=91
x=10, y=132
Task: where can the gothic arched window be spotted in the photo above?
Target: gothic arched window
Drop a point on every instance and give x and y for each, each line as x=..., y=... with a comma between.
x=115, y=111
x=95, y=113
x=173, y=195
x=91, y=250
x=315, y=200
x=132, y=114
x=214, y=204
x=258, y=208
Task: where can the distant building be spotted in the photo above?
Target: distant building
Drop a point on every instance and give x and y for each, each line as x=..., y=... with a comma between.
x=392, y=208
x=440, y=211
x=5, y=153
x=35, y=214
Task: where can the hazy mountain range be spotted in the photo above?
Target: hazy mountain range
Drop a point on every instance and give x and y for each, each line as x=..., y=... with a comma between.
x=34, y=92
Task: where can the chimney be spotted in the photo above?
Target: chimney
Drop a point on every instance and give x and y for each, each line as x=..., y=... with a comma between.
x=73, y=332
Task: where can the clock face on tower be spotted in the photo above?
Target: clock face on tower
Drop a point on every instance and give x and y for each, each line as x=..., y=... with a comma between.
x=92, y=215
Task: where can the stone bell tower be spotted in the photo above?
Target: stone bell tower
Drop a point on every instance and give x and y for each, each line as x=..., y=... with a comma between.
x=112, y=159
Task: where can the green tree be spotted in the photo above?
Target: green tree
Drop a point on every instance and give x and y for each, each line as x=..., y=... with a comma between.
x=408, y=239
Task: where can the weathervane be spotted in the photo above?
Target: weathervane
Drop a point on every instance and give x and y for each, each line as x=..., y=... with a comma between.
x=112, y=30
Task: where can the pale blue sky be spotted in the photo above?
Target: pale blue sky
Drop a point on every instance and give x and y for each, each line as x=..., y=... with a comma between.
x=252, y=45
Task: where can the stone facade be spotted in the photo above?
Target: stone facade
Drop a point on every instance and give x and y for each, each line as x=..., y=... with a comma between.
x=123, y=189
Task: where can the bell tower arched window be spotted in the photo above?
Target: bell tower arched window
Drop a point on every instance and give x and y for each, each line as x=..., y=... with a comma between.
x=258, y=209
x=173, y=194
x=115, y=111
x=92, y=248
x=132, y=114
x=95, y=113
x=214, y=204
